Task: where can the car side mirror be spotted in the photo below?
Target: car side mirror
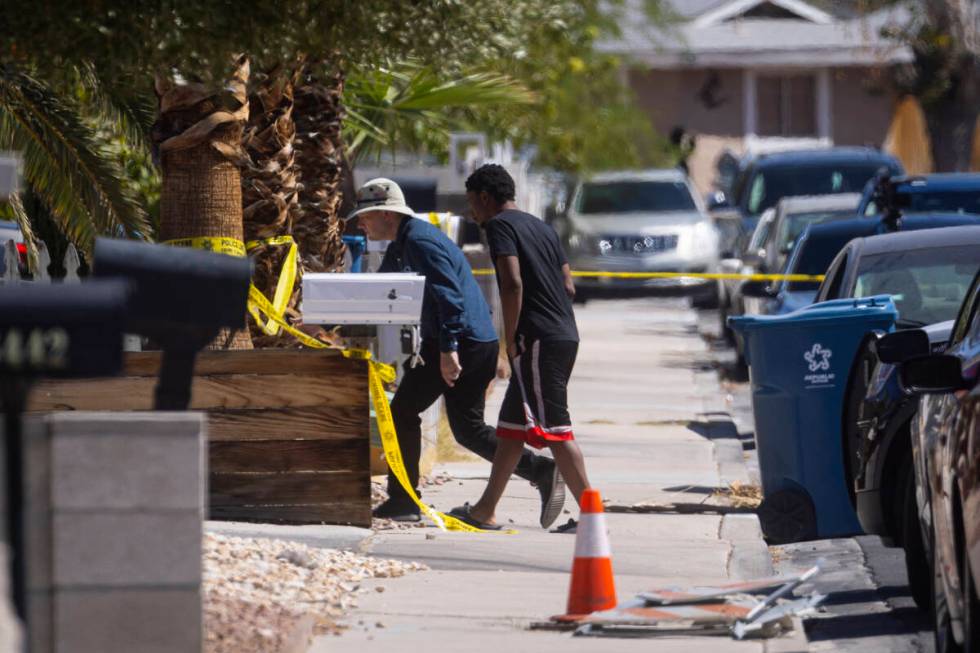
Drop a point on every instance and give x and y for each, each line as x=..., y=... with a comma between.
x=932, y=374
x=900, y=346
x=758, y=289
x=717, y=200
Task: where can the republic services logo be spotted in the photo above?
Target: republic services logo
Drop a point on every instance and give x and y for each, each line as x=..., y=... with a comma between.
x=818, y=358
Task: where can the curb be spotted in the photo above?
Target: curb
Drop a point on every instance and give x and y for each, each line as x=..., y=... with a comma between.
x=749, y=556
x=729, y=454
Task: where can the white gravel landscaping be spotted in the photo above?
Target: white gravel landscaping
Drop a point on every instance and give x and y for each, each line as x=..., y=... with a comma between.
x=257, y=592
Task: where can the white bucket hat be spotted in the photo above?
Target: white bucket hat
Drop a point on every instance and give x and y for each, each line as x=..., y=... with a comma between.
x=380, y=195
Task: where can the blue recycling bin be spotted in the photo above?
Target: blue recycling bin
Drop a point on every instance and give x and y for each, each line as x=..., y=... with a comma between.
x=799, y=365
x=356, y=246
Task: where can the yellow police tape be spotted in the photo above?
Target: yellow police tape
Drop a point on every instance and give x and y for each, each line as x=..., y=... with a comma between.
x=284, y=286
x=596, y=274
x=378, y=373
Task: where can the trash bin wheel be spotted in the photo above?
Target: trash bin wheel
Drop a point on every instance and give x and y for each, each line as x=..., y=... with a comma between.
x=788, y=516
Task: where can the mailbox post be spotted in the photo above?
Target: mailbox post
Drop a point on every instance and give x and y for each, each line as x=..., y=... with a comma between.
x=49, y=331
x=181, y=299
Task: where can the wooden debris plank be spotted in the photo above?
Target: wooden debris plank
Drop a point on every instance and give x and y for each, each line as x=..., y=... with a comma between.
x=207, y=392
x=258, y=361
x=307, y=423
x=341, y=512
x=287, y=489
x=288, y=455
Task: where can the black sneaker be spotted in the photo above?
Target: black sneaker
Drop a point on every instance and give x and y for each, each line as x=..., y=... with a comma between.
x=551, y=487
x=397, y=511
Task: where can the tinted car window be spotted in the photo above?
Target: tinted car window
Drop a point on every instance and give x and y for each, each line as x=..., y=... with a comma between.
x=634, y=196
x=770, y=186
x=761, y=234
x=967, y=312
x=815, y=257
x=793, y=224
x=948, y=201
x=927, y=285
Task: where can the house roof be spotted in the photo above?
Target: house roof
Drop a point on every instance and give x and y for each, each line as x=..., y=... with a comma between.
x=717, y=34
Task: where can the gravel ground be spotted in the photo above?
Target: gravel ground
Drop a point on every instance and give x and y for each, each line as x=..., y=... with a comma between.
x=258, y=592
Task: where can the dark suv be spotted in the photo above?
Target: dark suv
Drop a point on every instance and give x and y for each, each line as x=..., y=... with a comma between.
x=765, y=179
x=940, y=193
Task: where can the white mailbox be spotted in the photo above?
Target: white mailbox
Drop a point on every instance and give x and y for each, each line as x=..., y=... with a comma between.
x=362, y=298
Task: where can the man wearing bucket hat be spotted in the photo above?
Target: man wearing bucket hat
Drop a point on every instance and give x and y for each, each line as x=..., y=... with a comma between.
x=459, y=349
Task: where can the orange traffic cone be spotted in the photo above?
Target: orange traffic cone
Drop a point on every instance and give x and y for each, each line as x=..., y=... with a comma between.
x=592, y=586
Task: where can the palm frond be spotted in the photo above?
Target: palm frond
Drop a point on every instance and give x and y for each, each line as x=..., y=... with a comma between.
x=26, y=229
x=408, y=104
x=120, y=104
x=64, y=163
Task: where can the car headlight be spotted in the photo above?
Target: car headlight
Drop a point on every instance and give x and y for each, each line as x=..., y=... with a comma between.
x=593, y=245
x=704, y=238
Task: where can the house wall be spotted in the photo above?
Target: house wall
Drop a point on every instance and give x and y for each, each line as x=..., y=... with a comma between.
x=860, y=115
x=685, y=98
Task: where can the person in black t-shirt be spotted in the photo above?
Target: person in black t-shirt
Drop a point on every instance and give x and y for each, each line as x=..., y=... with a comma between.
x=536, y=292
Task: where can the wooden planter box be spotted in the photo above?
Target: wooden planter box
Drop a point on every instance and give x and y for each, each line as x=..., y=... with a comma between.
x=287, y=429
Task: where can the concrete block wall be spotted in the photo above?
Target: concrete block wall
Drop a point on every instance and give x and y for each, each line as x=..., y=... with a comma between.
x=114, y=530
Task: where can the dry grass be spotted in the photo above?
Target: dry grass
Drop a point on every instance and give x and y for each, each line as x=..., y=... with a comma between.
x=741, y=495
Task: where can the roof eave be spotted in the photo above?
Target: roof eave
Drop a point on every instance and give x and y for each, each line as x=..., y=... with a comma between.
x=799, y=58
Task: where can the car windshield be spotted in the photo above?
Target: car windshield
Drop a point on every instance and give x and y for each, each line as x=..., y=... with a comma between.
x=635, y=196
x=927, y=285
x=770, y=186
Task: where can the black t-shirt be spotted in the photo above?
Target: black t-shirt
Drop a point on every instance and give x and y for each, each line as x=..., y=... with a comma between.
x=546, y=309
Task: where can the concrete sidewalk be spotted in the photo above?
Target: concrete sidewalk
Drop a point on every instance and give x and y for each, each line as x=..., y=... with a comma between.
x=640, y=379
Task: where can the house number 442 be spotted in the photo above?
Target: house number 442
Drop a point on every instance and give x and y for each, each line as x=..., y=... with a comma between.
x=34, y=349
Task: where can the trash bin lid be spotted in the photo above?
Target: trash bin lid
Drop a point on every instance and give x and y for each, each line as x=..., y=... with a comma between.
x=879, y=307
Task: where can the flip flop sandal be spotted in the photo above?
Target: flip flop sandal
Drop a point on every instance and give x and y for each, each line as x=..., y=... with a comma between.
x=462, y=513
x=570, y=527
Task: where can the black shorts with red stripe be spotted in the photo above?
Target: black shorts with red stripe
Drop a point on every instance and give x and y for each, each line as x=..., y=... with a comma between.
x=535, y=408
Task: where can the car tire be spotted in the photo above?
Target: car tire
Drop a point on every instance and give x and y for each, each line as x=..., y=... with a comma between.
x=971, y=606
x=854, y=407
x=581, y=296
x=916, y=565
x=942, y=625
x=706, y=301
x=726, y=331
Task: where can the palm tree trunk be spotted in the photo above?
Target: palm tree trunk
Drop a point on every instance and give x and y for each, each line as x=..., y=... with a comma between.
x=270, y=189
x=199, y=134
x=319, y=114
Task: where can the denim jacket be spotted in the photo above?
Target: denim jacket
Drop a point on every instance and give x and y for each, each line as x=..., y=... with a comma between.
x=453, y=306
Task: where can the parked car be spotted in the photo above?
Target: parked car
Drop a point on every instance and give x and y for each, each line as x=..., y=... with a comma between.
x=946, y=193
x=816, y=249
x=765, y=179
x=762, y=180
x=928, y=275
x=792, y=216
x=649, y=221
x=11, y=231
x=946, y=439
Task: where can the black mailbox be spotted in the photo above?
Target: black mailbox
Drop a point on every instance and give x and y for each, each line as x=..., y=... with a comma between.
x=49, y=330
x=62, y=330
x=176, y=287
x=181, y=298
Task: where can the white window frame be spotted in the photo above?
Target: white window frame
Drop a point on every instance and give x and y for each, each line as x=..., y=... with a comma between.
x=823, y=99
